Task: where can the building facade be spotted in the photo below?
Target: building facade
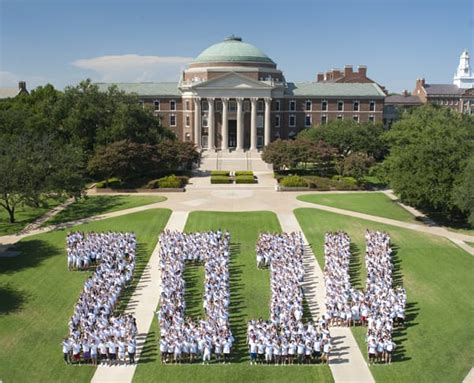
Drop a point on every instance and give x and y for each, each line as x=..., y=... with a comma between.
x=233, y=96
x=458, y=96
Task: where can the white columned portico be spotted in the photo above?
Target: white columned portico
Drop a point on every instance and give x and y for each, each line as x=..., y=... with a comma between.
x=197, y=122
x=253, y=124
x=240, y=126
x=267, y=130
x=211, y=141
x=225, y=128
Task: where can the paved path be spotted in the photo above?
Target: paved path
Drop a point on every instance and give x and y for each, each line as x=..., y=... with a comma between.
x=347, y=363
x=50, y=214
x=142, y=305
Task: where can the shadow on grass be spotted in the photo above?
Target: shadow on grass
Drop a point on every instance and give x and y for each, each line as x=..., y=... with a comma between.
x=11, y=300
x=30, y=254
x=355, y=266
x=140, y=264
x=399, y=333
x=88, y=207
x=149, y=352
x=238, y=323
x=194, y=291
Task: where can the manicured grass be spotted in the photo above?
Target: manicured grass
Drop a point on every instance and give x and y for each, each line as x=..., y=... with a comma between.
x=38, y=293
x=96, y=205
x=437, y=343
x=250, y=295
x=24, y=215
x=369, y=203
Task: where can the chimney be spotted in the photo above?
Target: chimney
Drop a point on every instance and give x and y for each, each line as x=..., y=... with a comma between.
x=362, y=70
x=347, y=70
x=320, y=77
x=22, y=86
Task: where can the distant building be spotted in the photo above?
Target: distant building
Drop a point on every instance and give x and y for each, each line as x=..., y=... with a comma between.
x=13, y=92
x=396, y=103
x=233, y=96
x=458, y=96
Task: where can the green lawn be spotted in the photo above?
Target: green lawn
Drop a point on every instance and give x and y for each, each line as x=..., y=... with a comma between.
x=250, y=294
x=24, y=215
x=37, y=296
x=437, y=344
x=369, y=203
x=96, y=205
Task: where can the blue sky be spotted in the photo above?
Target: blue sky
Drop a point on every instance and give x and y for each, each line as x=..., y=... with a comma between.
x=62, y=42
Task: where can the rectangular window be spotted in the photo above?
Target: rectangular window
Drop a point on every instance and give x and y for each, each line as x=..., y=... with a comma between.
x=356, y=106
x=277, y=121
x=355, y=118
x=307, y=120
x=324, y=105
x=188, y=121
x=187, y=105
x=292, y=120
x=172, y=120
x=324, y=119
x=204, y=121
x=232, y=106
x=205, y=105
x=372, y=106
x=260, y=105
x=292, y=105
x=277, y=105
x=339, y=117
x=172, y=105
x=259, y=121
x=371, y=118
x=308, y=105
x=156, y=105
x=340, y=106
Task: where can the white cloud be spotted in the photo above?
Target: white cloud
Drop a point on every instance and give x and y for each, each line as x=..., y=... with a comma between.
x=10, y=79
x=134, y=68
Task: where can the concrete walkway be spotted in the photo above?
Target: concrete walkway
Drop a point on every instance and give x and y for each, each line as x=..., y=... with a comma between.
x=347, y=363
x=50, y=214
x=142, y=305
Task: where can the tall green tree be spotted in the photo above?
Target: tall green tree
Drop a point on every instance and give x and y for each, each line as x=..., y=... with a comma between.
x=463, y=192
x=349, y=136
x=429, y=148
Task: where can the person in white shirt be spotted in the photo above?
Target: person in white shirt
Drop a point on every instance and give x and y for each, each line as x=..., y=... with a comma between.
x=164, y=350
x=66, y=345
x=326, y=351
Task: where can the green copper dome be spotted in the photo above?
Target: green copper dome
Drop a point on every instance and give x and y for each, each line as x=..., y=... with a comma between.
x=233, y=49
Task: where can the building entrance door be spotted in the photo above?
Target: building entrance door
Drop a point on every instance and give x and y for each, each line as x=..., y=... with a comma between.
x=232, y=126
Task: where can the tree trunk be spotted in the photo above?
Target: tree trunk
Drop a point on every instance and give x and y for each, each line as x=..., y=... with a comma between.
x=11, y=214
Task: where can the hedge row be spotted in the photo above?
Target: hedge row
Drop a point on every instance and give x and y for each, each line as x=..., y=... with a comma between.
x=293, y=181
x=244, y=179
x=113, y=183
x=221, y=180
x=220, y=173
x=244, y=173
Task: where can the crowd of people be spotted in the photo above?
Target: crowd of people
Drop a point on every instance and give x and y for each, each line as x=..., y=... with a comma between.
x=184, y=340
x=95, y=334
x=379, y=306
x=284, y=338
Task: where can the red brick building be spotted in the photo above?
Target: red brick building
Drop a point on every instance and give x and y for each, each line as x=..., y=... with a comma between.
x=233, y=96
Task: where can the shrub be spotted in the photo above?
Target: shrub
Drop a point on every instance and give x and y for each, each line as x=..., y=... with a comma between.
x=171, y=182
x=221, y=180
x=184, y=180
x=244, y=179
x=220, y=173
x=113, y=183
x=153, y=184
x=244, y=173
x=293, y=181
